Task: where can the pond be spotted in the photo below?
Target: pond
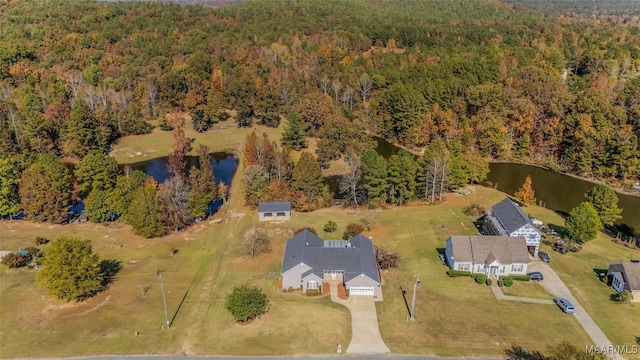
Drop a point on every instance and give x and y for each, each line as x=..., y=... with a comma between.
x=556, y=191
x=224, y=166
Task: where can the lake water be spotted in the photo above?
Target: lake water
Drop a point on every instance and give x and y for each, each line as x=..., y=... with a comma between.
x=556, y=191
x=224, y=166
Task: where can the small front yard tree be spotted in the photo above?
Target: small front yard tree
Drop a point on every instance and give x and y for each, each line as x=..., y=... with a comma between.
x=70, y=269
x=255, y=242
x=583, y=223
x=246, y=302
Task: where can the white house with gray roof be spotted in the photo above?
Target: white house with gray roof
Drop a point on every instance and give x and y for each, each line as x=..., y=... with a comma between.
x=626, y=276
x=499, y=255
x=507, y=219
x=310, y=261
x=272, y=211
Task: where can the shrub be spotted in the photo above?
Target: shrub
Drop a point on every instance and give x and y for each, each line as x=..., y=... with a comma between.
x=488, y=282
x=330, y=227
x=520, y=277
x=310, y=229
x=458, y=273
x=500, y=282
x=352, y=230
x=16, y=260
x=255, y=242
x=284, y=290
x=508, y=281
x=313, y=292
x=246, y=302
x=480, y=278
x=386, y=260
x=473, y=210
x=290, y=289
x=41, y=241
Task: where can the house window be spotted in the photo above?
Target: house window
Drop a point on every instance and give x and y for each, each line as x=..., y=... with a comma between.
x=517, y=267
x=312, y=285
x=463, y=267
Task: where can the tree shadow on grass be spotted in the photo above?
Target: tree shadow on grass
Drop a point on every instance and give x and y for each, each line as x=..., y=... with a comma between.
x=108, y=269
x=518, y=353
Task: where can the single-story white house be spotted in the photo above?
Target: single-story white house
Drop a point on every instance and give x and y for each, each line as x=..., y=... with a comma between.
x=272, y=211
x=625, y=276
x=310, y=261
x=499, y=255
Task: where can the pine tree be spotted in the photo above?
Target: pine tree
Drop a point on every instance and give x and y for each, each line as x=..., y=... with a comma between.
x=70, y=269
x=402, y=175
x=374, y=174
x=292, y=136
x=96, y=171
x=144, y=212
x=605, y=200
x=204, y=189
x=9, y=185
x=81, y=132
x=307, y=179
x=526, y=195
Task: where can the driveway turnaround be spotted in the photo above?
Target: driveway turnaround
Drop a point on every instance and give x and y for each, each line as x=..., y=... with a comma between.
x=555, y=286
x=365, y=333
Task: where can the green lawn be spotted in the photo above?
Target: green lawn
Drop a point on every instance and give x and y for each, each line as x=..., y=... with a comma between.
x=454, y=316
x=530, y=289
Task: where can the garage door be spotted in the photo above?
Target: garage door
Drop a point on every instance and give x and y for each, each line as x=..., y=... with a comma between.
x=361, y=290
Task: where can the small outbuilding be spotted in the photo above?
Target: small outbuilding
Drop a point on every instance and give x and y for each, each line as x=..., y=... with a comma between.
x=273, y=211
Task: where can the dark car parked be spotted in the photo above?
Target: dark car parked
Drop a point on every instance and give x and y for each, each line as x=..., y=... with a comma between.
x=536, y=276
x=564, y=305
x=544, y=256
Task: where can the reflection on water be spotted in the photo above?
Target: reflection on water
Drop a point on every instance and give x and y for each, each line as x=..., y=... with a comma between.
x=556, y=191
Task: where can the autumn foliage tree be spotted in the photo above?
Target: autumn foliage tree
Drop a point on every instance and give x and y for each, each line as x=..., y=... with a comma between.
x=45, y=190
x=525, y=194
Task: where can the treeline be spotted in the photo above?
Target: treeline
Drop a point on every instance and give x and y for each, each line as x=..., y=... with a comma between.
x=502, y=83
x=270, y=174
x=45, y=189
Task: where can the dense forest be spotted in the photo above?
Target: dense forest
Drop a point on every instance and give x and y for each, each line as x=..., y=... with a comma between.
x=482, y=79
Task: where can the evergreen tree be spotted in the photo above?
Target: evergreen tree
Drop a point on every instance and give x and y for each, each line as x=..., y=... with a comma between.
x=374, y=174
x=255, y=185
x=307, y=179
x=70, y=269
x=81, y=133
x=402, y=177
x=583, y=223
x=525, y=194
x=9, y=187
x=96, y=171
x=119, y=198
x=204, y=190
x=144, y=212
x=45, y=190
x=292, y=136
x=246, y=302
x=605, y=200
x=97, y=206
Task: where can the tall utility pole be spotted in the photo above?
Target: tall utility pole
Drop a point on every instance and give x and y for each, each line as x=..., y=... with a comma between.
x=164, y=300
x=413, y=302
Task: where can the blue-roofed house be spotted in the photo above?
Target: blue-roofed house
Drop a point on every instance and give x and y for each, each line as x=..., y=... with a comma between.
x=272, y=211
x=310, y=261
x=506, y=218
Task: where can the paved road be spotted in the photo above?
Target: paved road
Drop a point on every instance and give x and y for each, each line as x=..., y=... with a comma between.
x=555, y=286
x=365, y=333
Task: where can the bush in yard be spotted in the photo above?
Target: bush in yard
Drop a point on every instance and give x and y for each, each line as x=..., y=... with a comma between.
x=313, y=292
x=520, y=277
x=386, y=260
x=473, y=210
x=310, y=229
x=458, y=273
x=14, y=260
x=508, y=281
x=488, y=282
x=624, y=297
x=41, y=241
x=246, y=302
x=330, y=227
x=500, y=282
x=352, y=230
x=480, y=278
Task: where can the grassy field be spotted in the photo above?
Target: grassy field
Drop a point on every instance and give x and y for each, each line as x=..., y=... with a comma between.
x=158, y=143
x=453, y=316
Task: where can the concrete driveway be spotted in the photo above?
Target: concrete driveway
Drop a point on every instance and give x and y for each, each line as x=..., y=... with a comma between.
x=365, y=333
x=555, y=286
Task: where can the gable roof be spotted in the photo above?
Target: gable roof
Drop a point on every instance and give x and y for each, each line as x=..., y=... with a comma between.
x=306, y=247
x=630, y=274
x=274, y=206
x=487, y=249
x=510, y=216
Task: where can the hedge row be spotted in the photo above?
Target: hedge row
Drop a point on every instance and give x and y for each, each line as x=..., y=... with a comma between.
x=458, y=273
